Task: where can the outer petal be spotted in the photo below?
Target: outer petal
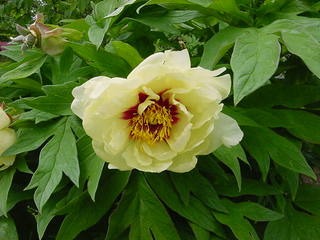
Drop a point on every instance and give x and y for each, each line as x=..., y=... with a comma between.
x=136, y=158
x=83, y=94
x=169, y=60
x=6, y=162
x=183, y=163
x=115, y=161
x=226, y=131
x=4, y=119
x=7, y=139
x=161, y=151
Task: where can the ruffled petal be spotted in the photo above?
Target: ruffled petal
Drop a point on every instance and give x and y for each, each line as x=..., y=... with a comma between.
x=226, y=131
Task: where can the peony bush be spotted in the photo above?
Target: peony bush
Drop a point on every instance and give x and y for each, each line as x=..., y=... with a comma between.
x=160, y=120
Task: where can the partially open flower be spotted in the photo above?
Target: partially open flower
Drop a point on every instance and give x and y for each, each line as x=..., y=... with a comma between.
x=7, y=139
x=51, y=39
x=160, y=117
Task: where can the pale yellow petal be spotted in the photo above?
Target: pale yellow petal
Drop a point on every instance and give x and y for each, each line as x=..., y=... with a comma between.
x=183, y=163
x=83, y=94
x=160, y=150
x=116, y=161
x=7, y=139
x=4, y=119
x=226, y=131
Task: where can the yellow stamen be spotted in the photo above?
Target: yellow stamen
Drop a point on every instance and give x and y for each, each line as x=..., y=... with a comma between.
x=153, y=125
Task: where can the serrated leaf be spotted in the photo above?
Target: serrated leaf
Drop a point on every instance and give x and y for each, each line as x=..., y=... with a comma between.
x=31, y=139
x=134, y=211
x=240, y=226
x=84, y=213
x=295, y=226
x=24, y=70
x=58, y=156
x=280, y=149
x=254, y=60
x=57, y=101
x=195, y=211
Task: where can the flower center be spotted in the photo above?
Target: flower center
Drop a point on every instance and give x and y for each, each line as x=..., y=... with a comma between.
x=154, y=124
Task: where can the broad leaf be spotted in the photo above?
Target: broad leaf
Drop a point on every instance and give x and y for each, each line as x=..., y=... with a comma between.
x=8, y=229
x=5, y=184
x=254, y=60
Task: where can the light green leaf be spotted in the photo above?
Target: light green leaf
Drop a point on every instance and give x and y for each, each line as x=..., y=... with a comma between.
x=8, y=229
x=305, y=46
x=218, y=45
x=37, y=115
x=254, y=60
x=134, y=211
x=6, y=177
x=58, y=156
x=127, y=52
x=112, y=65
x=24, y=70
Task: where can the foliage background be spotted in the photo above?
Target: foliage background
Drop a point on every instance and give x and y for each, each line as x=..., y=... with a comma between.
x=266, y=188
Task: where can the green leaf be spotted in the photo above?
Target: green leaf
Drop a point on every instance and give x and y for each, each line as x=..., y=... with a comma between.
x=308, y=198
x=112, y=65
x=6, y=177
x=254, y=60
x=291, y=178
x=134, y=211
x=58, y=99
x=235, y=218
x=84, y=213
x=24, y=70
x=305, y=46
x=295, y=226
x=31, y=139
x=58, y=156
x=218, y=45
x=91, y=165
x=280, y=149
x=230, y=156
x=292, y=96
x=166, y=22
x=127, y=52
x=195, y=211
x=200, y=233
x=8, y=229
x=228, y=187
x=37, y=115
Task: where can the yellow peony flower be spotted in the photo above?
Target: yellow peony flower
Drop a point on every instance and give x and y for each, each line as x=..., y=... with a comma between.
x=7, y=139
x=160, y=118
